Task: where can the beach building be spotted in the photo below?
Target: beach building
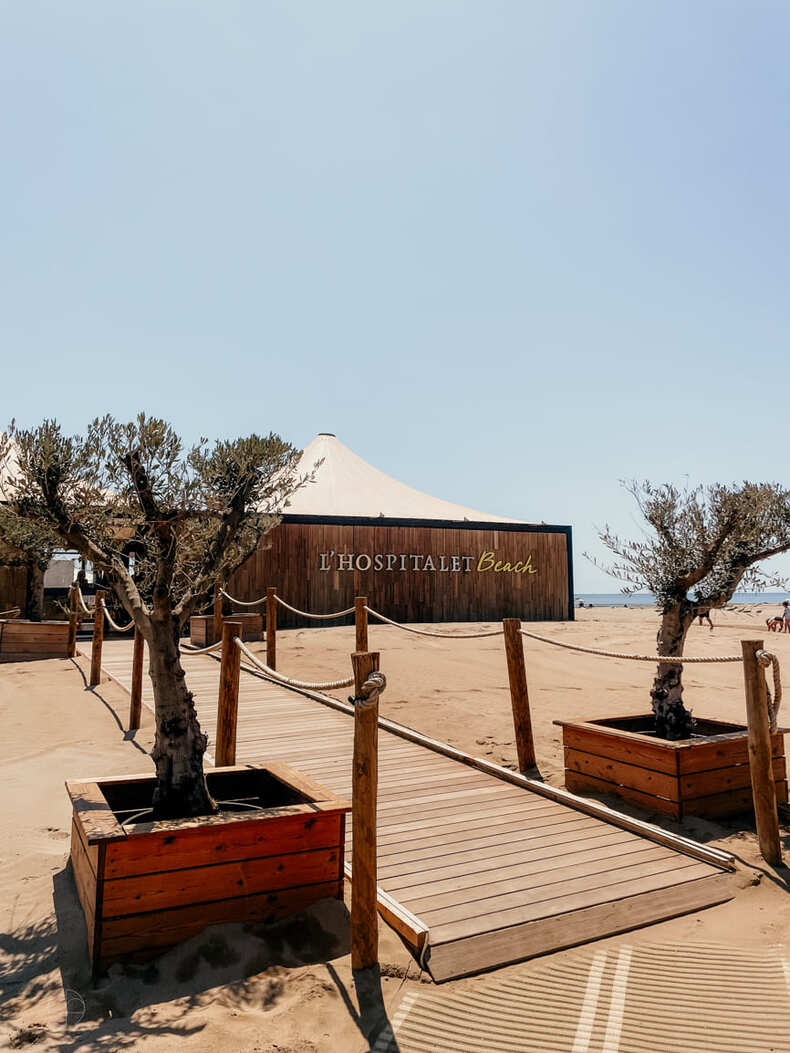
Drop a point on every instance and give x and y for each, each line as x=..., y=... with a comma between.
x=356, y=531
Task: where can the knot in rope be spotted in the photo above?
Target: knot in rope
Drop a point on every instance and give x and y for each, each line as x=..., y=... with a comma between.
x=371, y=689
x=766, y=658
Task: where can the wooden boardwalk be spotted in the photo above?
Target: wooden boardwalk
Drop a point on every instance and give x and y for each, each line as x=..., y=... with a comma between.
x=477, y=867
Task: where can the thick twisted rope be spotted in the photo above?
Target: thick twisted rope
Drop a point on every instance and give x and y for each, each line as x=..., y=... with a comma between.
x=371, y=689
x=331, y=685
x=114, y=625
x=201, y=650
x=242, y=603
x=80, y=599
x=661, y=658
x=307, y=614
x=12, y=613
x=766, y=658
x=428, y=632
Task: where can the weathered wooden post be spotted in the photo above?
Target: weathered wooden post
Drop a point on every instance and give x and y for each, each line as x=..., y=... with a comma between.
x=98, y=638
x=519, y=696
x=136, y=700
x=364, y=916
x=361, y=623
x=760, y=760
x=228, y=701
x=217, y=625
x=271, y=627
x=74, y=617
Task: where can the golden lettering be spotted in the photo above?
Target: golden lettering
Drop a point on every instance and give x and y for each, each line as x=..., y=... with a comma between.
x=487, y=561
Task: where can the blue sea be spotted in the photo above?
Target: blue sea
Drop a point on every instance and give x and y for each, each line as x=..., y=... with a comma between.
x=646, y=599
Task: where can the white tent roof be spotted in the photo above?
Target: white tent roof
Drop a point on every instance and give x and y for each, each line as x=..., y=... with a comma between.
x=345, y=485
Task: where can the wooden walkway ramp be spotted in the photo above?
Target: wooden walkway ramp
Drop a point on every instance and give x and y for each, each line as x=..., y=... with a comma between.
x=477, y=868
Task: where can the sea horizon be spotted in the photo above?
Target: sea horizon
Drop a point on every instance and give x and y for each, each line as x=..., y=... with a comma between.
x=646, y=599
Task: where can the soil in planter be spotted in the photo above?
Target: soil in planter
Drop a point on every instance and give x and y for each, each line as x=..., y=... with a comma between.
x=645, y=725
x=247, y=789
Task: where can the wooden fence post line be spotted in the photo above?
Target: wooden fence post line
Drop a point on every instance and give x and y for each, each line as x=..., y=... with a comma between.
x=365, y=773
x=271, y=627
x=760, y=760
x=217, y=627
x=98, y=638
x=519, y=696
x=73, y=621
x=361, y=623
x=228, y=701
x=136, y=700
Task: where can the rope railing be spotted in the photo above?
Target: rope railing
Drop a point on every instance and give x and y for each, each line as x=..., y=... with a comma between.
x=330, y=685
x=429, y=632
x=663, y=658
x=242, y=603
x=81, y=600
x=766, y=658
x=201, y=650
x=114, y=625
x=307, y=614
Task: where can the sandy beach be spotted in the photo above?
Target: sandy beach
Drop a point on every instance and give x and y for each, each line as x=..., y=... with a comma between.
x=289, y=989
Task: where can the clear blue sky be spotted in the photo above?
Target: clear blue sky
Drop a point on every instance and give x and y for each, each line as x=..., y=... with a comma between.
x=509, y=252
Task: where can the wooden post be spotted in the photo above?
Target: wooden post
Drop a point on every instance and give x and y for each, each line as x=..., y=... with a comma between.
x=136, y=701
x=519, y=696
x=74, y=617
x=228, y=701
x=365, y=774
x=760, y=762
x=98, y=638
x=271, y=627
x=217, y=629
x=361, y=622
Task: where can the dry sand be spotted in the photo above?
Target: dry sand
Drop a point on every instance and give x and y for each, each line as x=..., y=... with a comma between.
x=289, y=988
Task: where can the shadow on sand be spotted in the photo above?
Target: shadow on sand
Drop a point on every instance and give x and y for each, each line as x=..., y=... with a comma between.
x=44, y=967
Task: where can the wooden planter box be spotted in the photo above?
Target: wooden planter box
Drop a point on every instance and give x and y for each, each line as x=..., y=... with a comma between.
x=22, y=641
x=706, y=775
x=201, y=627
x=145, y=886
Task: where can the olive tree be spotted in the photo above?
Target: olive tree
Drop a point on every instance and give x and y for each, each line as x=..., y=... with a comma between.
x=24, y=543
x=188, y=517
x=702, y=544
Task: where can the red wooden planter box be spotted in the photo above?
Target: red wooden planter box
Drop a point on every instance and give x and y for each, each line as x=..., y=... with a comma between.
x=706, y=775
x=201, y=627
x=23, y=641
x=145, y=886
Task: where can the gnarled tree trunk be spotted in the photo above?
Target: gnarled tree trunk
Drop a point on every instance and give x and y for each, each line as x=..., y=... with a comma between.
x=179, y=746
x=673, y=720
x=34, y=593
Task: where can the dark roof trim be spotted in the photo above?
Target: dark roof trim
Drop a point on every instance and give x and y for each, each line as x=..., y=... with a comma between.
x=435, y=524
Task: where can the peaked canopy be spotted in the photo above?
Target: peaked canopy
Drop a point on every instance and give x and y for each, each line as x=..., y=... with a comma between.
x=345, y=485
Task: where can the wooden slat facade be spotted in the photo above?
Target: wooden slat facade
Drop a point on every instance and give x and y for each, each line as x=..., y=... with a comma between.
x=291, y=558
x=494, y=871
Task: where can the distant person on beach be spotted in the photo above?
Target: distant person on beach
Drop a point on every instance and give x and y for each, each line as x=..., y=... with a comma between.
x=703, y=615
x=780, y=623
